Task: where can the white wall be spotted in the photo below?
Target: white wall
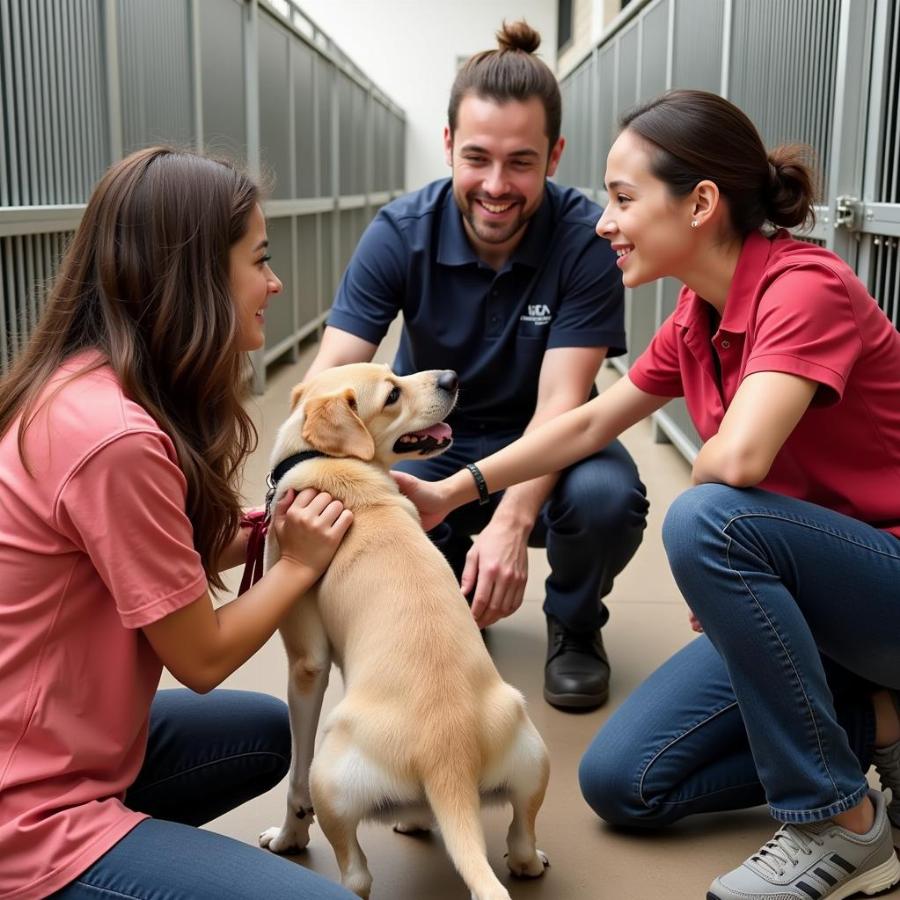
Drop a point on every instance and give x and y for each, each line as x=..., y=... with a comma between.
x=410, y=48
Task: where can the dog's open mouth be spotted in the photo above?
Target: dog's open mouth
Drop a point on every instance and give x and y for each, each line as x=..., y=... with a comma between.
x=437, y=437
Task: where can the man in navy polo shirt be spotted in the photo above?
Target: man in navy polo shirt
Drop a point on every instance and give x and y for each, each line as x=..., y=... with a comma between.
x=499, y=275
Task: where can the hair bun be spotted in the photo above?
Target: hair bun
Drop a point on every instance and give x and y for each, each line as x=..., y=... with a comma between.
x=790, y=190
x=518, y=36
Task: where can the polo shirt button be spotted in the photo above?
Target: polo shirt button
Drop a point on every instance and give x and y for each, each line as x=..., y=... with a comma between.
x=726, y=345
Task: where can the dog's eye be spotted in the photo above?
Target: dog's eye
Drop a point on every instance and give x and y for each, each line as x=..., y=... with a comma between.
x=392, y=397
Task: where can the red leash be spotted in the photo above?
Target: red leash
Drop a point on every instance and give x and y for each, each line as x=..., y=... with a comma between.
x=258, y=523
x=259, y=520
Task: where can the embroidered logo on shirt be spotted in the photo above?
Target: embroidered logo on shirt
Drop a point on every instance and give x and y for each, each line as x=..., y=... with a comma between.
x=538, y=314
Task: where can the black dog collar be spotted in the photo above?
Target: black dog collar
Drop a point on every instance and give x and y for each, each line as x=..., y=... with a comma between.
x=282, y=469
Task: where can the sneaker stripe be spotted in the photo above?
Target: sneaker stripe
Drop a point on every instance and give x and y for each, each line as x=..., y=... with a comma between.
x=827, y=877
x=846, y=866
x=809, y=889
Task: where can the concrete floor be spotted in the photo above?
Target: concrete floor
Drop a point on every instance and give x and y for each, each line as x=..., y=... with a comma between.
x=588, y=860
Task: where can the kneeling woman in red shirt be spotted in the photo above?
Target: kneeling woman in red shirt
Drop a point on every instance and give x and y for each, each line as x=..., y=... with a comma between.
x=122, y=436
x=787, y=550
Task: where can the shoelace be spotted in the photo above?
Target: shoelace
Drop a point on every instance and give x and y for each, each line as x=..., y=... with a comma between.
x=568, y=641
x=785, y=847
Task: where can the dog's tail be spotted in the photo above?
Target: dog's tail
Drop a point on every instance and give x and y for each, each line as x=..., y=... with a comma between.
x=456, y=803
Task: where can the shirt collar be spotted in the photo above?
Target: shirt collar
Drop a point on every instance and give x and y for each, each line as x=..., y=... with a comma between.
x=749, y=272
x=454, y=248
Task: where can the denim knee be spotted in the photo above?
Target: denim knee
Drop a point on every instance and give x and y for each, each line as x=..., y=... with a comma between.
x=598, y=506
x=268, y=717
x=694, y=522
x=610, y=784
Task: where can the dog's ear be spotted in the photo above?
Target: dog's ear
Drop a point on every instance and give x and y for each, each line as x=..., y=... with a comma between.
x=296, y=394
x=330, y=424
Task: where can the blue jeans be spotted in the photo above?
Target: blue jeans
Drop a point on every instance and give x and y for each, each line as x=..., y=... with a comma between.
x=205, y=755
x=591, y=525
x=801, y=612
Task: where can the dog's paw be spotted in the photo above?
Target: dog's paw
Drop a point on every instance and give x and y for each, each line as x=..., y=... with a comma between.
x=529, y=868
x=413, y=826
x=287, y=838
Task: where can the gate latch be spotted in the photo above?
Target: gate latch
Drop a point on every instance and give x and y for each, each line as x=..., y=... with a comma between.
x=848, y=213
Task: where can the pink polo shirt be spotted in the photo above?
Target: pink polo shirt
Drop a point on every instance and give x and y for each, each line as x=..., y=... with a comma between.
x=93, y=547
x=796, y=308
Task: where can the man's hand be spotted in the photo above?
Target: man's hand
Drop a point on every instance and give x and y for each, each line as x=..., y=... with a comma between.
x=695, y=624
x=497, y=567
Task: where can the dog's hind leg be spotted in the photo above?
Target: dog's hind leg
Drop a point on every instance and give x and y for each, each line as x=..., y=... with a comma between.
x=309, y=664
x=528, y=773
x=336, y=780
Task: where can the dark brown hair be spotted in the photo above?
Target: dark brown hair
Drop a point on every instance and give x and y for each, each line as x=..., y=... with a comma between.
x=145, y=282
x=697, y=136
x=511, y=72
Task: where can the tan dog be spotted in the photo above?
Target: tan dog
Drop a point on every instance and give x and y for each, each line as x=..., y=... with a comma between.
x=426, y=725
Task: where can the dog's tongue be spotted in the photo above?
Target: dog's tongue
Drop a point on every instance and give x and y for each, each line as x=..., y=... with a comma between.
x=440, y=432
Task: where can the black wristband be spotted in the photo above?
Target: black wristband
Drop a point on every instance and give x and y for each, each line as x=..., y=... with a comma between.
x=484, y=496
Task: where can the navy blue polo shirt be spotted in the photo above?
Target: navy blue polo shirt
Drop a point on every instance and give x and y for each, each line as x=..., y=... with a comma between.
x=560, y=288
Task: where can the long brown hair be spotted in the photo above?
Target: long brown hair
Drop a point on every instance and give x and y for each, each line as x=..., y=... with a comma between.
x=145, y=282
x=696, y=135
x=511, y=72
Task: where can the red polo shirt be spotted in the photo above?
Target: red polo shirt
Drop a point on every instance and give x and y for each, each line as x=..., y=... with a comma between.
x=796, y=308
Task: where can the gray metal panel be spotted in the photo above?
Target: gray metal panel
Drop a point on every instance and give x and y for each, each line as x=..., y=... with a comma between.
x=888, y=189
x=641, y=319
x=608, y=115
x=654, y=51
x=325, y=74
x=304, y=119
x=307, y=281
x=156, y=73
x=783, y=70
x=274, y=106
x=51, y=102
x=222, y=59
x=884, y=282
x=346, y=179
x=697, y=59
x=280, y=314
x=627, y=75
x=326, y=258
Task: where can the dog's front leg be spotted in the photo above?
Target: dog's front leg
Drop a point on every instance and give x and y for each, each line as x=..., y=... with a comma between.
x=309, y=662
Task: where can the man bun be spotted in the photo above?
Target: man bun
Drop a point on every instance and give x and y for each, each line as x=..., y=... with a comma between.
x=518, y=36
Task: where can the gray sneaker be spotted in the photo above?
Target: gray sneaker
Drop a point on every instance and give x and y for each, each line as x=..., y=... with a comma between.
x=887, y=764
x=816, y=860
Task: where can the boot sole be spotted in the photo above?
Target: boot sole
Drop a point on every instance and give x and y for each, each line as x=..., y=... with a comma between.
x=576, y=701
x=874, y=881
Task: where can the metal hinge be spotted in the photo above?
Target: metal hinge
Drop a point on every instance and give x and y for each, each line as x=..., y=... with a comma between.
x=848, y=213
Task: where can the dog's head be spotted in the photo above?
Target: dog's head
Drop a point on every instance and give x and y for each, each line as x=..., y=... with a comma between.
x=364, y=410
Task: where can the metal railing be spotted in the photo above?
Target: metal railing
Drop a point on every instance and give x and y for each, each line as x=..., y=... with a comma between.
x=821, y=72
x=84, y=83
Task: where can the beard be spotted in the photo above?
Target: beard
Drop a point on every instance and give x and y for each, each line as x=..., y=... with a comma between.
x=495, y=232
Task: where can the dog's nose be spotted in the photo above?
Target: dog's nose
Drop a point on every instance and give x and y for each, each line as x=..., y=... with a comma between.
x=448, y=381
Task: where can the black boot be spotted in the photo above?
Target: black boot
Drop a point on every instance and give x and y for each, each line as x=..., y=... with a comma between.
x=577, y=672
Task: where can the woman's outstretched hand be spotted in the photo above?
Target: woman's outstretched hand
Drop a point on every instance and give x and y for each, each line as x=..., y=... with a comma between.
x=426, y=496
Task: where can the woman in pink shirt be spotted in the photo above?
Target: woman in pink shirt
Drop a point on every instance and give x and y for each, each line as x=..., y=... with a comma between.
x=122, y=437
x=787, y=550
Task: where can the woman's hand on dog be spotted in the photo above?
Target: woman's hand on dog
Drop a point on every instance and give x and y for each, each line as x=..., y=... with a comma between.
x=310, y=527
x=427, y=497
